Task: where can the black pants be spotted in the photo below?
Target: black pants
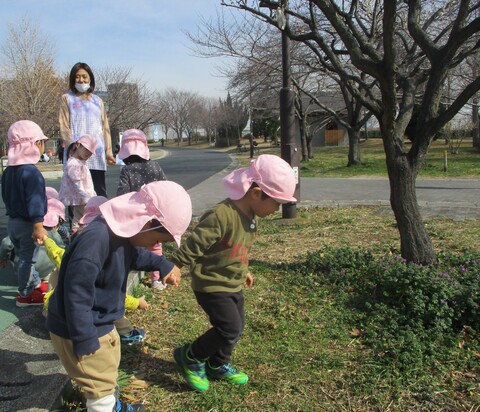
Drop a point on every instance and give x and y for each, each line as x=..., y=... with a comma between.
x=98, y=177
x=227, y=316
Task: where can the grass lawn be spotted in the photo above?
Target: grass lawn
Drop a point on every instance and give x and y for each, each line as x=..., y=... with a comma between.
x=332, y=161
x=308, y=344
x=302, y=347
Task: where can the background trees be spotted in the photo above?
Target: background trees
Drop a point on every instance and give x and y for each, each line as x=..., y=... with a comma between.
x=29, y=85
x=30, y=88
x=398, y=57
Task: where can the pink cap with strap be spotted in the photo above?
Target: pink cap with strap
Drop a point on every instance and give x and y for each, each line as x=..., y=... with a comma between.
x=51, y=192
x=134, y=142
x=88, y=142
x=92, y=209
x=22, y=149
x=165, y=201
x=271, y=173
x=55, y=210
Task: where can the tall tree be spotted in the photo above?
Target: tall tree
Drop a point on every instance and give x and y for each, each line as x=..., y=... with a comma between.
x=258, y=73
x=29, y=86
x=129, y=102
x=409, y=55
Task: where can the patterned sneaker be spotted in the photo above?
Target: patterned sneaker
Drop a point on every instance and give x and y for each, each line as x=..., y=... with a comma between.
x=125, y=407
x=193, y=370
x=134, y=337
x=227, y=373
x=35, y=299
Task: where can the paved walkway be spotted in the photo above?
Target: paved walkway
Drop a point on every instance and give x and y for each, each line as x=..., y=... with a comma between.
x=27, y=362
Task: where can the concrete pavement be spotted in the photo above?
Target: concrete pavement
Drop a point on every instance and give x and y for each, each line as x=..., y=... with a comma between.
x=31, y=378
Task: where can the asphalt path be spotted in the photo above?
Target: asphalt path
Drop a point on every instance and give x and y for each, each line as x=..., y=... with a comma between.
x=188, y=167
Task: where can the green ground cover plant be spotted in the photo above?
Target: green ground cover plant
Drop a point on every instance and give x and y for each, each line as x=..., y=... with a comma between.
x=336, y=321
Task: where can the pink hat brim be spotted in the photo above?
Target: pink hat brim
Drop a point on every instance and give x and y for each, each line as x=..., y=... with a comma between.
x=165, y=201
x=271, y=173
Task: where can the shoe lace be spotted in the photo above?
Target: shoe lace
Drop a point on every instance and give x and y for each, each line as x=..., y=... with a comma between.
x=228, y=368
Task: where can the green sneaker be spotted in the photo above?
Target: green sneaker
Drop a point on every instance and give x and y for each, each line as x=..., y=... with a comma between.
x=193, y=370
x=227, y=373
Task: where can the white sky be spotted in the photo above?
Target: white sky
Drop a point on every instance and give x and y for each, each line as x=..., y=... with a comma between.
x=147, y=35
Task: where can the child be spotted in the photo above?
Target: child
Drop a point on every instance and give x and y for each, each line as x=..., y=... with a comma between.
x=217, y=254
x=91, y=288
x=128, y=334
x=43, y=265
x=77, y=185
x=62, y=230
x=138, y=171
x=23, y=193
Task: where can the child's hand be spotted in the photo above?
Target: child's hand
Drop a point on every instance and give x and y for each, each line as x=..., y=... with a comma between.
x=249, y=282
x=173, y=278
x=142, y=303
x=39, y=233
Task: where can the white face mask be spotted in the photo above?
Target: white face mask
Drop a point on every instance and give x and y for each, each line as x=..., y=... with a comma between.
x=82, y=87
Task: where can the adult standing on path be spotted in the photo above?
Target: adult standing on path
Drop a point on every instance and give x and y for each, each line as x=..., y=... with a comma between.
x=82, y=112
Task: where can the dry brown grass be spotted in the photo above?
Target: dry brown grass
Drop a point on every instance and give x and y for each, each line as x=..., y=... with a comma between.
x=174, y=316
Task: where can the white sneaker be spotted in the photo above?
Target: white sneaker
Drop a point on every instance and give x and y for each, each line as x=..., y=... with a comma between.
x=158, y=285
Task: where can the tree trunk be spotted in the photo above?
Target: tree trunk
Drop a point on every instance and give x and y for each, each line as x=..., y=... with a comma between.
x=309, y=146
x=416, y=245
x=353, y=147
x=476, y=124
x=303, y=138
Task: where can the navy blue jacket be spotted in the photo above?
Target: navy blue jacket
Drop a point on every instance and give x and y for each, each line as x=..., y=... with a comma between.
x=91, y=288
x=23, y=192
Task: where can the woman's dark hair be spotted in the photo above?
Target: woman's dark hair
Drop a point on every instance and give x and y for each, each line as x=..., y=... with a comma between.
x=74, y=71
x=134, y=159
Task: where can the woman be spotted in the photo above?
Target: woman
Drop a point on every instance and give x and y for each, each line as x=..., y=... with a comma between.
x=82, y=112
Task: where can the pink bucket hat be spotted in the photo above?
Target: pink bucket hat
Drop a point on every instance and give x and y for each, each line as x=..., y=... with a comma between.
x=271, y=173
x=88, y=142
x=134, y=142
x=92, y=209
x=55, y=210
x=51, y=192
x=22, y=149
x=165, y=201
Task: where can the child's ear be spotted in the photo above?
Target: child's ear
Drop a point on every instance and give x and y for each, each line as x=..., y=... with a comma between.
x=256, y=193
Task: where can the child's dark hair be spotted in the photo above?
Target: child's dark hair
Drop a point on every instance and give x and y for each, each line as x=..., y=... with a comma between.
x=73, y=72
x=264, y=195
x=158, y=226
x=134, y=159
x=70, y=149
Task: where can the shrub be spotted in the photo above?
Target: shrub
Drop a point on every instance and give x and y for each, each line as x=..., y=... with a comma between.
x=413, y=316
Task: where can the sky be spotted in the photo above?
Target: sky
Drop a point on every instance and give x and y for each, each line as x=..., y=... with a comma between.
x=146, y=35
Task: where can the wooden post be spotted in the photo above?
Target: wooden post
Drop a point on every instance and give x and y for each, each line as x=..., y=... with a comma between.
x=445, y=161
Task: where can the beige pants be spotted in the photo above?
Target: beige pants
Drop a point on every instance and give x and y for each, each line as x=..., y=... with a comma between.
x=123, y=326
x=96, y=374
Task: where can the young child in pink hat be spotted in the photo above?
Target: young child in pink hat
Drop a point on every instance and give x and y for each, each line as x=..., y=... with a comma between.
x=77, y=184
x=43, y=266
x=138, y=171
x=128, y=334
x=217, y=254
x=90, y=294
x=23, y=193
x=62, y=230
